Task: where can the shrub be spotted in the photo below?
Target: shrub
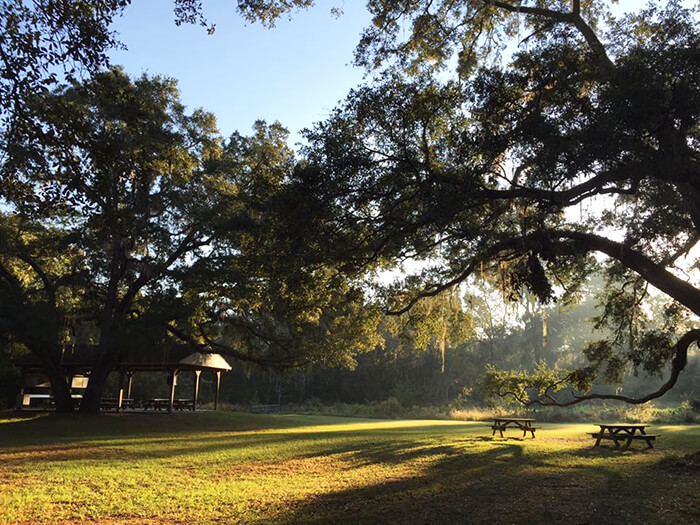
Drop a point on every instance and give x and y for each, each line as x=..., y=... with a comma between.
x=389, y=408
x=601, y=412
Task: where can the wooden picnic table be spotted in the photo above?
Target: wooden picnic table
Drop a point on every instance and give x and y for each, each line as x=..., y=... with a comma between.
x=45, y=400
x=522, y=423
x=628, y=432
x=107, y=403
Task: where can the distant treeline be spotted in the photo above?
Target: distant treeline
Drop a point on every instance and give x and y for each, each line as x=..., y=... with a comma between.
x=413, y=374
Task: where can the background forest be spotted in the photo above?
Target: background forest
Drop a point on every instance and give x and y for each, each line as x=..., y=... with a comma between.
x=417, y=367
x=435, y=357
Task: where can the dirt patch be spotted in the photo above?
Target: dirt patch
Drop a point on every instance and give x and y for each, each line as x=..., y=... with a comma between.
x=316, y=466
x=59, y=453
x=550, y=439
x=689, y=464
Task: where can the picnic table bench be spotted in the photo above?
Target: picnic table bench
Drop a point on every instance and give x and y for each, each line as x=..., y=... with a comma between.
x=164, y=403
x=521, y=423
x=623, y=432
x=43, y=400
x=111, y=403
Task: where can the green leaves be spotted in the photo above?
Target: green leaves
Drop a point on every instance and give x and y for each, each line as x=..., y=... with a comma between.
x=268, y=11
x=524, y=388
x=427, y=36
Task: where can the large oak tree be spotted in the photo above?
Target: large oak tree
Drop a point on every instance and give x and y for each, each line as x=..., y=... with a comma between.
x=129, y=223
x=580, y=151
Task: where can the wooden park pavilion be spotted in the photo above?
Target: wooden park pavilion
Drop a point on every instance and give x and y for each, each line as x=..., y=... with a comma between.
x=77, y=362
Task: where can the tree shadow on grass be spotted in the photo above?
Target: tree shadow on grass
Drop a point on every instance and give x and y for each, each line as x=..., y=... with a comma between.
x=36, y=428
x=360, y=446
x=497, y=485
x=609, y=452
x=362, y=452
x=164, y=436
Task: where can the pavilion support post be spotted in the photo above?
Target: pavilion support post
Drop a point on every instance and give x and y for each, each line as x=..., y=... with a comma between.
x=195, y=394
x=172, y=390
x=69, y=379
x=120, y=397
x=20, y=397
x=217, y=380
x=129, y=381
x=19, y=402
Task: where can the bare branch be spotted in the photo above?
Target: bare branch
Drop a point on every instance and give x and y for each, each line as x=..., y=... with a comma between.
x=652, y=272
x=573, y=18
x=11, y=279
x=148, y=273
x=49, y=287
x=210, y=345
x=682, y=251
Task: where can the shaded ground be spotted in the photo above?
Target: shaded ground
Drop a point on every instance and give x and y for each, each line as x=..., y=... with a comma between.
x=231, y=467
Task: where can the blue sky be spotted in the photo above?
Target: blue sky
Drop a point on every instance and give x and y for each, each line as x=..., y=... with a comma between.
x=295, y=73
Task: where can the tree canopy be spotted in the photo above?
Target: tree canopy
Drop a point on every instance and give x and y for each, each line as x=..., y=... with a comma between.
x=128, y=221
x=584, y=144
x=46, y=42
x=125, y=219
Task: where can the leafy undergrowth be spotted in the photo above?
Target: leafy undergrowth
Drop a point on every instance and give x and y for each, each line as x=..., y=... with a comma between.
x=231, y=467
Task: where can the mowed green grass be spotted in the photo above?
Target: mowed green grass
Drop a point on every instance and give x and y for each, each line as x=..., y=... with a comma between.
x=231, y=467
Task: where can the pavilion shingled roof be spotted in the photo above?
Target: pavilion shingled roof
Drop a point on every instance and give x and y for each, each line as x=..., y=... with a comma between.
x=212, y=361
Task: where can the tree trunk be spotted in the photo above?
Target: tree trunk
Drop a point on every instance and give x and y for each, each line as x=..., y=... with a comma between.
x=49, y=355
x=98, y=377
x=93, y=393
x=60, y=388
x=443, y=345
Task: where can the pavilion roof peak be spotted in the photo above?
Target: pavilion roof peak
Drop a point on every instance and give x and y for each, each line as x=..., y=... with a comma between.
x=206, y=360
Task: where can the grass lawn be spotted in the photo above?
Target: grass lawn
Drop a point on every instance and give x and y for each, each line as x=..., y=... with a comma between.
x=231, y=467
